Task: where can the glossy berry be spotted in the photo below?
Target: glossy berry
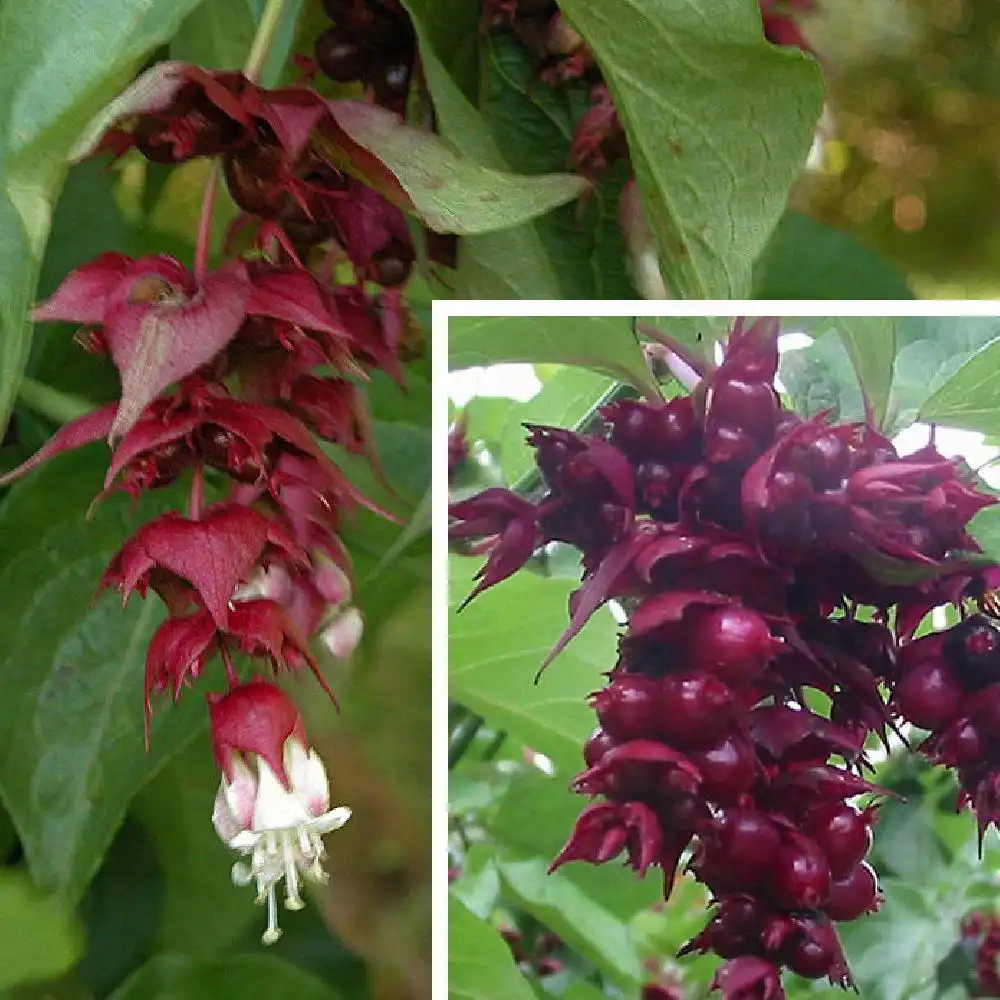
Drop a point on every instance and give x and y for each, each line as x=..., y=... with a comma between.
x=753, y=405
x=929, y=694
x=628, y=708
x=842, y=834
x=747, y=840
x=694, y=710
x=800, y=876
x=732, y=641
x=813, y=951
x=391, y=81
x=729, y=768
x=597, y=745
x=827, y=462
x=854, y=894
x=340, y=54
x=665, y=433
x=393, y=263
x=973, y=646
x=657, y=487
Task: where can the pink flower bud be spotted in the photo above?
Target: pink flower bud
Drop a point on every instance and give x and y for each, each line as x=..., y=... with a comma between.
x=343, y=635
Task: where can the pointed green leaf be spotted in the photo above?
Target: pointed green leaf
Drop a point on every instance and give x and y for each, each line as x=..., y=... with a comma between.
x=450, y=192
x=496, y=646
x=72, y=674
x=480, y=965
x=719, y=123
x=61, y=62
x=971, y=397
x=604, y=344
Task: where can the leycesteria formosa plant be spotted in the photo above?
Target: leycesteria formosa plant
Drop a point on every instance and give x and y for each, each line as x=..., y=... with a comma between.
x=244, y=368
x=762, y=560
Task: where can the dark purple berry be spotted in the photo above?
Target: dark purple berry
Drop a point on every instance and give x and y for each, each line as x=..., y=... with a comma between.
x=340, y=54
x=628, y=708
x=800, y=876
x=728, y=769
x=733, y=642
x=751, y=405
x=842, y=833
x=929, y=694
x=694, y=710
x=973, y=646
x=597, y=745
x=854, y=894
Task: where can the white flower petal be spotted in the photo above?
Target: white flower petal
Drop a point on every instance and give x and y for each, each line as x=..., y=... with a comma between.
x=308, y=776
x=241, y=793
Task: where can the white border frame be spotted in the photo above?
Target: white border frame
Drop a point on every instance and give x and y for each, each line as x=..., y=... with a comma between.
x=442, y=310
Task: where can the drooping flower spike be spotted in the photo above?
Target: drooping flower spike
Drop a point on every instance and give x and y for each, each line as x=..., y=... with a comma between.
x=743, y=541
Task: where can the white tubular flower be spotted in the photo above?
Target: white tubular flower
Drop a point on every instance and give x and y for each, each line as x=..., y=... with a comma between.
x=273, y=804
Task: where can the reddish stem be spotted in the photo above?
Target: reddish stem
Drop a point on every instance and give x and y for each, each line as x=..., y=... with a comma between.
x=231, y=677
x=196, y=498
x=204, y=245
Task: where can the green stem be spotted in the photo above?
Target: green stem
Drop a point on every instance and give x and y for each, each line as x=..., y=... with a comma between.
x=266, y=31
x=462, y=737
x=58, y=406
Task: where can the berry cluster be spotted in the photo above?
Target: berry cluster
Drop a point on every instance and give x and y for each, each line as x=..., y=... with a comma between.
x=744, y=543
x=274, y=169
x=981, y=934
x=373, y=42
x=949, y=683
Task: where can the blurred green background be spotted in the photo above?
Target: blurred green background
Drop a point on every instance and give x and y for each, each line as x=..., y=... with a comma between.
x=909, y=155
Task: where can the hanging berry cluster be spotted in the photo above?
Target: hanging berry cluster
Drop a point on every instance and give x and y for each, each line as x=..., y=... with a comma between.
x=750, y=549
x=371, y=42
x=948, y=683
x=244, y=369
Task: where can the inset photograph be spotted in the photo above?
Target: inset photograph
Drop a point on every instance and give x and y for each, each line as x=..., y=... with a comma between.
x=724, y=656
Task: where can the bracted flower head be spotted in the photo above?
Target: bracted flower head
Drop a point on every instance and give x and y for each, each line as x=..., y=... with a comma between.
x=273, y=804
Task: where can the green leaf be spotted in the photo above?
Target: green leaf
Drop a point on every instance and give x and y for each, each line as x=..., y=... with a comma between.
x=896, y=952
x=480, y=965
x=72, y=675
x=508, y=263
x=807, y=259
x=985, y=529
x=235, y=977
x=39, y=937
x=534, y=124
x=971, y=397
x=449, y=192
x=217, y=34
x=496, y=646
x=719, y=123
x=553, y=810
x=870, y=342
x=202, y=911
x=932, y=349
x=821, y=377
x=448, y=33
x=570, y=396
x=585, y=926
x=62, y=61
x=605, y=344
